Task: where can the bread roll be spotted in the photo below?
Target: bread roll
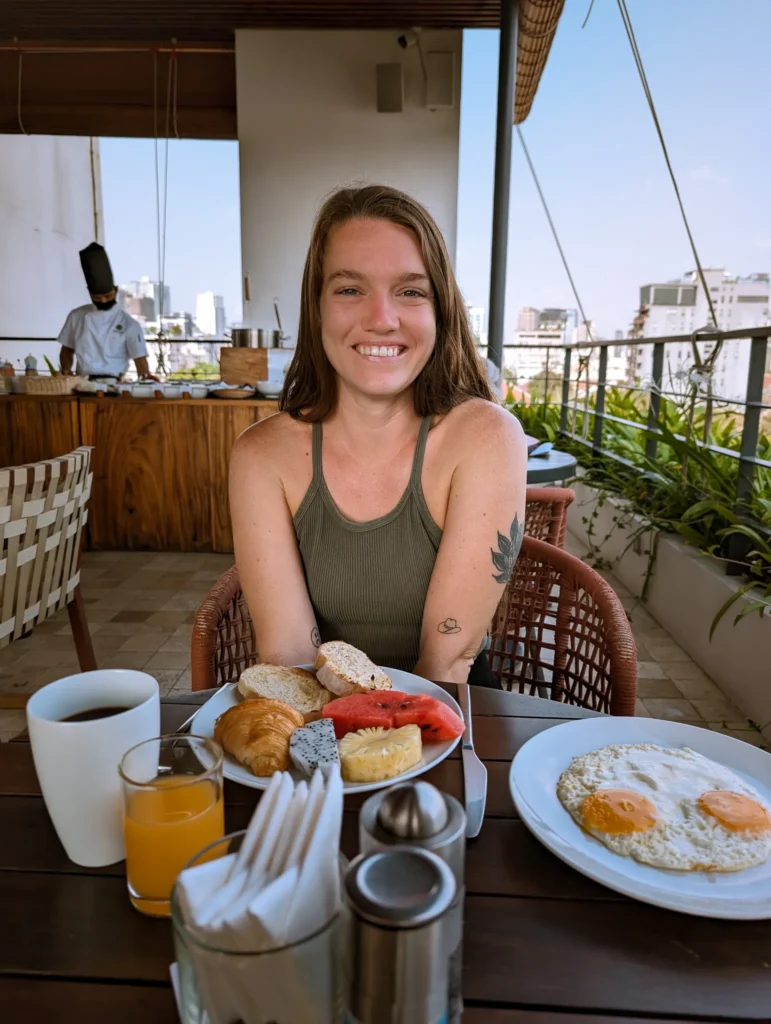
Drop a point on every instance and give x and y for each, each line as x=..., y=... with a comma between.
x=294, y=686
x=344, y=669
x=257, y=732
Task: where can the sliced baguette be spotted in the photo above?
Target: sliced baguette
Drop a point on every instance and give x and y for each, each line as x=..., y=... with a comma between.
x=344, y=670
x=294, y=686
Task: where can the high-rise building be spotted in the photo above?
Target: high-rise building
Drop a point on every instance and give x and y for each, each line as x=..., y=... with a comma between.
x=540, y=351
x=144, y=288
x=680, y=307
x=210, y=314
x=141, y=308
x=476, y=315
x=527, y=319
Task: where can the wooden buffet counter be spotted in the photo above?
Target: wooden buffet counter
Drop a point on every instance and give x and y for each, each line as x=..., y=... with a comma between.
x=160, y=465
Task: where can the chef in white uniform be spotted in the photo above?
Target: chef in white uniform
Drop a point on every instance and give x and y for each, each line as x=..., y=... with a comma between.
x=101, y=336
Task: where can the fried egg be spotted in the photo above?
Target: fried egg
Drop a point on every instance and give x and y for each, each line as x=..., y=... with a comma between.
x=667, y=808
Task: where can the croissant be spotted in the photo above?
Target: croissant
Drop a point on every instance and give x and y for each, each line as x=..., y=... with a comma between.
x=257, y=733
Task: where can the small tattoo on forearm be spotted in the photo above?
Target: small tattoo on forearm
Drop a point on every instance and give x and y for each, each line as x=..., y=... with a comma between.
x=315, y=637
x=504, y=559
x=449, y=626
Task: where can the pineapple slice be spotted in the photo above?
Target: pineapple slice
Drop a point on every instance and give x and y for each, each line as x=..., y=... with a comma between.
x=372, y=755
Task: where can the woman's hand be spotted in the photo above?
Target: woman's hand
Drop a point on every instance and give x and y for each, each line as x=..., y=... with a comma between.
x=481, y=540
x=267, y=555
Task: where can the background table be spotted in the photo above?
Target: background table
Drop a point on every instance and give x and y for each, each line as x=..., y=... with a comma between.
x=547, y=469
x=542, y=944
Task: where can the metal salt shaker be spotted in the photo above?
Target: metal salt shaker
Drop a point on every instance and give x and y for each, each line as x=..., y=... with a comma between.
x=417, y=814
x=397, y=967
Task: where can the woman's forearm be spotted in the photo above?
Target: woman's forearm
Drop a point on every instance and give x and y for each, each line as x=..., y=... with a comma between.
x=444, y=670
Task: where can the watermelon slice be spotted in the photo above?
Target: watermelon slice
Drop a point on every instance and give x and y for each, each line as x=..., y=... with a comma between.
x=390, y=709
x=437, y=723
x=359, y=711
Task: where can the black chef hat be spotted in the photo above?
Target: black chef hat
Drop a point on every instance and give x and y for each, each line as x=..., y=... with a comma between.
x=96, y=269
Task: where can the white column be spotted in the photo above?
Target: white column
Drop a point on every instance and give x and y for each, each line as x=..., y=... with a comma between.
x=308, y=122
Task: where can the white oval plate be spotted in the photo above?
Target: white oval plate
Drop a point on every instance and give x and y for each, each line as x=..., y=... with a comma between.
x=404, y=682
x=740, y=895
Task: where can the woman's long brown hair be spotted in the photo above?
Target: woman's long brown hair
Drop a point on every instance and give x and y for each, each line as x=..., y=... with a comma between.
x=454, y=372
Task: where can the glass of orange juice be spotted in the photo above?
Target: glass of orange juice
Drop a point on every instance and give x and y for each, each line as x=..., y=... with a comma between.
x=172, y=808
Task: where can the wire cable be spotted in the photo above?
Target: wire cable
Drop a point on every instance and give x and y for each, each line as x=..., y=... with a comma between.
x=625, y=17
x=157, y=182
x=18, y=93
x=561, y=251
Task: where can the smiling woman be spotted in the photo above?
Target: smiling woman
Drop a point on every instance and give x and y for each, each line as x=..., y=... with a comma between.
x=378, y=260
x=387, y=535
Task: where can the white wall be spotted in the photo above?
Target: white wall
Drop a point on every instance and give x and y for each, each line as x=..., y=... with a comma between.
x=46, y=216
x=687, y=589
x=308, y=122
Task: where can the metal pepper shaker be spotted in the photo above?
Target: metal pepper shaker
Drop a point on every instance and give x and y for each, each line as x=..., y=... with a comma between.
x=397, y=964
x=418, y=814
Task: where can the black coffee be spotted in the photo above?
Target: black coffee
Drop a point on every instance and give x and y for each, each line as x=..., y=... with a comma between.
x=92, y=713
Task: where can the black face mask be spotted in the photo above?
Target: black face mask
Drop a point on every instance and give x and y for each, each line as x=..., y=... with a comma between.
x=105, y=305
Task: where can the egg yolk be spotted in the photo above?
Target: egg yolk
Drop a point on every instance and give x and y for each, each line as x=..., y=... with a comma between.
x=618, y=812
x=736, y=812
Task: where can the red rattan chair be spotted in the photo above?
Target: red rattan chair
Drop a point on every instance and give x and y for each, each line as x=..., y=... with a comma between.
x=223, y=642
x=561, y=632
x=546, y=513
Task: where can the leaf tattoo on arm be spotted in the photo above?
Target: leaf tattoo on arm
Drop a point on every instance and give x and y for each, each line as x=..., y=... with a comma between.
x=504, y=559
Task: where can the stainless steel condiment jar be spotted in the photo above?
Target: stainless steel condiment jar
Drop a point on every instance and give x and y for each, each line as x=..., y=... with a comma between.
x=418, y=815
x=397, y=967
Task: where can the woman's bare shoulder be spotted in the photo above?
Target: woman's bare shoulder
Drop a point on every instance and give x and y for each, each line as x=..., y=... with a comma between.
x=478, y=422
x=277, y=439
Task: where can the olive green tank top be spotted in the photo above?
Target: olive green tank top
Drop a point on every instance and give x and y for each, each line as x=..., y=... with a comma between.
x=368, y=581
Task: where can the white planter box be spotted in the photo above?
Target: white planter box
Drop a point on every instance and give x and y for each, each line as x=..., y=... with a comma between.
x=685, y=593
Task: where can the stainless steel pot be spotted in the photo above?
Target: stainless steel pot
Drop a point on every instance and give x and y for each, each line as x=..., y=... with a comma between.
x=269, y=339
x=249, y=337
x=246, y=337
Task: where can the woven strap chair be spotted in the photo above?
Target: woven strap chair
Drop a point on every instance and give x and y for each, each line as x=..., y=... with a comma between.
x=561, y=632
x=563, y=624
x=42, y=515
x=546, y=513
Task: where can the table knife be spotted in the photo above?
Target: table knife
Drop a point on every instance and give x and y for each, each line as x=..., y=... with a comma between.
x=474, y=772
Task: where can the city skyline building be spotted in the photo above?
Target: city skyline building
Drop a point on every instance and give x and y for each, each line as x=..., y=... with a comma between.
x=210, y=314
x=680, y=307
x=146, y=288
x=527, y=319
x=478, y=317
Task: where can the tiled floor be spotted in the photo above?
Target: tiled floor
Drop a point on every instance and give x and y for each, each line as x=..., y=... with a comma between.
x=140, y=610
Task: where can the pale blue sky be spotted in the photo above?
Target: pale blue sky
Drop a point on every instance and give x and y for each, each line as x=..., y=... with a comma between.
x=592, y=140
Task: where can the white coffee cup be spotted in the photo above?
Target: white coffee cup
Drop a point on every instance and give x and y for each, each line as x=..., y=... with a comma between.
x=77, y=762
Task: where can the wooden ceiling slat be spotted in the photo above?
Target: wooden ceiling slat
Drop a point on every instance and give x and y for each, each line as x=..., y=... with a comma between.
x=59, y=95
x=30, y=20
x=208, y=23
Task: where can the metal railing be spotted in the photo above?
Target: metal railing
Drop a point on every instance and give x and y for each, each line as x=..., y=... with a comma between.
x=584, y=398
x=576, y=401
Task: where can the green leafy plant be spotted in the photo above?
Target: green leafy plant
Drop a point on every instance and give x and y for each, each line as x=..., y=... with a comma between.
x=199, y=370
x=684, y=488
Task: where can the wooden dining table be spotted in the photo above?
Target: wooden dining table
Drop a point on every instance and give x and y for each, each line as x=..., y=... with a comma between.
x=542, y=943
